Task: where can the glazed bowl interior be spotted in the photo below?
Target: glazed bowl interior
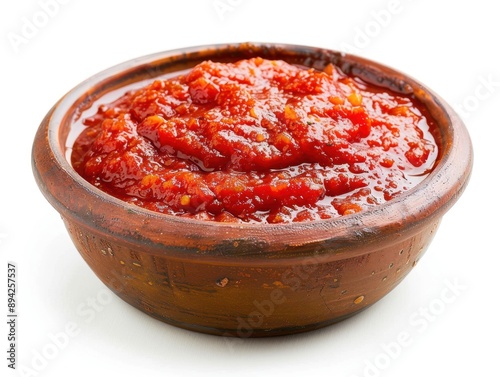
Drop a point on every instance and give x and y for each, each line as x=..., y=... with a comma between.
x=97, y=221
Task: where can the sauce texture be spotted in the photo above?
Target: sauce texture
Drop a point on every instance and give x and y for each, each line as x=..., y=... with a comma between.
x=257, y=141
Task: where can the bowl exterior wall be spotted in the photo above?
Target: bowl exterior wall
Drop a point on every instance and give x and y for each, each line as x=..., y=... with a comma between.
x=251, y=298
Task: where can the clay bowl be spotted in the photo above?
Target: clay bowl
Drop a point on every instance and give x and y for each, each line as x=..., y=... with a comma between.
x=248, y=280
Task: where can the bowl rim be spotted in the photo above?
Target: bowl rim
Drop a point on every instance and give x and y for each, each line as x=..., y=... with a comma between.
x=405, y=213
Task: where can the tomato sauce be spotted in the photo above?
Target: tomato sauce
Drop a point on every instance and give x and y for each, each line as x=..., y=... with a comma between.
x=257, y=141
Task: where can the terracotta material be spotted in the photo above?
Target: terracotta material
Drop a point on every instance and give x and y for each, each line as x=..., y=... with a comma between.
x=248, y=280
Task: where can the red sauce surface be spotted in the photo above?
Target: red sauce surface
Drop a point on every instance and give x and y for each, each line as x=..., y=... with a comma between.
x=257, y=141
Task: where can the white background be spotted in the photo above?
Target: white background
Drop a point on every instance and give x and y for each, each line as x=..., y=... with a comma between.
x=450, y=46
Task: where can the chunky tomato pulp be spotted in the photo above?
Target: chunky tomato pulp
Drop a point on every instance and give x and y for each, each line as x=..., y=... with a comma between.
x=257, y=141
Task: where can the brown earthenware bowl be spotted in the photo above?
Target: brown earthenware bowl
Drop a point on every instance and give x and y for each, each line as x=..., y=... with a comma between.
x=248, y=280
